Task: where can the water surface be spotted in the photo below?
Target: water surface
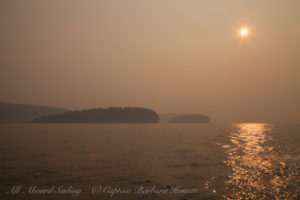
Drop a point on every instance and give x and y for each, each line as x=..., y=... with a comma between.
x=237, y=161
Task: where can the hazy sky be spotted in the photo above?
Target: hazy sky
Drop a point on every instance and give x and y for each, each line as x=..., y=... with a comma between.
x=172, y=56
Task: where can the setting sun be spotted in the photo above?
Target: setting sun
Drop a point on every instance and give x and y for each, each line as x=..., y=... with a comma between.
x=244, y=32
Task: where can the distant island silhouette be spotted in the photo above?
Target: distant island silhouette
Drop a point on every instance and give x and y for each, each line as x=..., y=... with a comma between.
x=16, y=113
x=192, y=118
x=20, y=113
x=104, y=115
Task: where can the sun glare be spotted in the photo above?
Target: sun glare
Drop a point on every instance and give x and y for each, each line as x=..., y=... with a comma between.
x=244, y=32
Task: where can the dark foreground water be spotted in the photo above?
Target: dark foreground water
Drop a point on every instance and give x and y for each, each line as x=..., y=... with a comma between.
x=159, y=161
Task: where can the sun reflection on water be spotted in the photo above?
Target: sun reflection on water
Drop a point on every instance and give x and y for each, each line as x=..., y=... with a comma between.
x=256, y=172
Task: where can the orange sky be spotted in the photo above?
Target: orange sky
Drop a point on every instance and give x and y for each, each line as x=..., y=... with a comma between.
x=173, y=56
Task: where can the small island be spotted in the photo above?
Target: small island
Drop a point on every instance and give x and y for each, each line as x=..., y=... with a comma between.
x=104, y=115
x=193, y=118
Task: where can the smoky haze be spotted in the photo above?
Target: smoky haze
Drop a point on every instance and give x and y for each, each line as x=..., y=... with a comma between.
x=172, y=56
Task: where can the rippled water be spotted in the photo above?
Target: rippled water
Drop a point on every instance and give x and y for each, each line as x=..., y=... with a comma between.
x=261, y=167
x=239, y=161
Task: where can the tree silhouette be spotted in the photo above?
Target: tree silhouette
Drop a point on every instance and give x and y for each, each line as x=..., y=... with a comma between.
x=104, y=115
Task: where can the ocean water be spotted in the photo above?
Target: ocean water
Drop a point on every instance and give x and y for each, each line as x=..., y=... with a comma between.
x=149, y=161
